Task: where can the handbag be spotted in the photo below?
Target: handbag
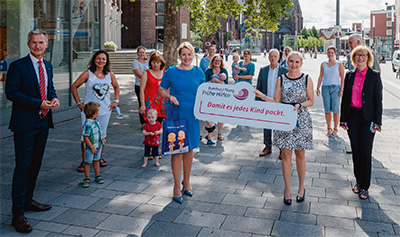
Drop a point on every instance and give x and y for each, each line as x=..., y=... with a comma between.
x=175, y=135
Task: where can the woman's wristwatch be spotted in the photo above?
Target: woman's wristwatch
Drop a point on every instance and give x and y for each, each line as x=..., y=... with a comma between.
x=116, y=101
x=79, y=103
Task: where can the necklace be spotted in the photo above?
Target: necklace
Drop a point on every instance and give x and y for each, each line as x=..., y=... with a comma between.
x=99, y=74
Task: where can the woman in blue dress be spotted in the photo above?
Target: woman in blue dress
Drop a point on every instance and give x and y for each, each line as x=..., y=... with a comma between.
x=182, y=81
x=246, y=75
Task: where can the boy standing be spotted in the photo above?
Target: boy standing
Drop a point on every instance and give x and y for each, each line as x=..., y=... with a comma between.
x=94, y=142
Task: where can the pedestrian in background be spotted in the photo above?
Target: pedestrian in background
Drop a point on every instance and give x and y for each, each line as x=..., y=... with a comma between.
x=94, y=140
x=266, y=83
x=248, y=74
x=97, y=79
x=361, y=115
x=30, y=88
x=286, y=53
x=205, y=62
x=295, y=88
x=331, y=76
x=179, y=86
x=226, y=55
x=139, y=66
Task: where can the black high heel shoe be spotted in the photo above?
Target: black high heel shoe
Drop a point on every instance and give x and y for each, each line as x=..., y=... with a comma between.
x=301, y=199
x=287, y=201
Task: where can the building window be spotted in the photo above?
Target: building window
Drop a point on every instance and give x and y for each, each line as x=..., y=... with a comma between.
x=160, y=7
x=388, y=32
x=389, y=15
x=389, y=23
x=160, y=20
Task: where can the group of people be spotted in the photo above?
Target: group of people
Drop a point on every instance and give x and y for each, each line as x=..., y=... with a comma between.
x=163, y=92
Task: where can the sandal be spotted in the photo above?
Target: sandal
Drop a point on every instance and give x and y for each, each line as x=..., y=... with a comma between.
x=99, y=179
x=329, y=133
x=220, y=137
x=86, y=183
x=81, y=167
x=334, y=133
x=103, y=163
x=363, y=194
x=356, y=189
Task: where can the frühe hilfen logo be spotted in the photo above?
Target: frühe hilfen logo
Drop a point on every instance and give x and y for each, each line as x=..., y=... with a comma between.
x=242, y=95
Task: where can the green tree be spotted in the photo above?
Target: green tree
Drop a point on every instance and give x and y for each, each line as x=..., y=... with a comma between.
x=196, y=40
x=314, y=32
x=228, y=36
x=304, y=33
x=204, y=18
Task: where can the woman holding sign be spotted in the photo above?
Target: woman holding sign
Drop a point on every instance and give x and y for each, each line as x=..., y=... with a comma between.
x=182, y=81
x=218, y=74
x=294, y=88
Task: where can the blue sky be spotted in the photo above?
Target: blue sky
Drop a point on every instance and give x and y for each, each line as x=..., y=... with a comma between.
x=322, y=13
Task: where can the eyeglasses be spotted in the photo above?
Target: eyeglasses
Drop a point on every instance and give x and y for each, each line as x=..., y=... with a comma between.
x=362, y=55
x=217, y=60
x=246, y=53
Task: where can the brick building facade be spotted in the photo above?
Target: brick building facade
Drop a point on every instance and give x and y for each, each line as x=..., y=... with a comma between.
x=145, y=22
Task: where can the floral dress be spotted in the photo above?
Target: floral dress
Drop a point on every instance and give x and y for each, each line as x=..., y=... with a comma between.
x=152, y=99
x=301, y=137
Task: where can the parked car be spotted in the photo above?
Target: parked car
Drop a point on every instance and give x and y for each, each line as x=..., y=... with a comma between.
x=396, y=61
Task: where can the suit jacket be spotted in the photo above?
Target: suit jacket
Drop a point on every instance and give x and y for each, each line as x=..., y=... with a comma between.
x=262, y=81
x=22, y=88
x=371, y=96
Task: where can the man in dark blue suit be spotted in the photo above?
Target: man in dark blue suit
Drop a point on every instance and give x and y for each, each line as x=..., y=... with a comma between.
x=29, y=86
x=266, y=83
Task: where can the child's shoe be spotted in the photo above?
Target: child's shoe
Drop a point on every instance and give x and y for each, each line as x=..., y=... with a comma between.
x=86, y=183
x=99, y=179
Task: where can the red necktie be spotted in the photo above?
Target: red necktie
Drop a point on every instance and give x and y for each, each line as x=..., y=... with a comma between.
x=42, y=86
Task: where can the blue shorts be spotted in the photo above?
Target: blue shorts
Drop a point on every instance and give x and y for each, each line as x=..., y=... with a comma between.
x=330, y=96
x=90, y=157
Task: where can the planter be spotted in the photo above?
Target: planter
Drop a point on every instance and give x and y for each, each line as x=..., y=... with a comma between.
x=110, y=49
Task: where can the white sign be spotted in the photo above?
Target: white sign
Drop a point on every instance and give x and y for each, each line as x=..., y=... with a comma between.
x=236, y=104
x=184, y=31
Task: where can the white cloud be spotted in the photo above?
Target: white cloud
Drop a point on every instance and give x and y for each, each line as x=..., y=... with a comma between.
x=322, y=13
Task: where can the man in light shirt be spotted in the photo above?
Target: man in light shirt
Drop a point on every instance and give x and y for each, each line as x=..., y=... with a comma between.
x=266, y=83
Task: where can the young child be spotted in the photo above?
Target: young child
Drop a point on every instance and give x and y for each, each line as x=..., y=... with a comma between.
x=151, y=131
x=235, y=65
x=94, y=141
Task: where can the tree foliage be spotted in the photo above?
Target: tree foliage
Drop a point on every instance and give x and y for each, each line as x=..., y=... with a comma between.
x=260, y=14
x=205, y=15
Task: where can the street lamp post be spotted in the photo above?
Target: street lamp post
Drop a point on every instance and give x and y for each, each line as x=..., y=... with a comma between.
x=337, y=24
x=373, y=29
x=392, y=33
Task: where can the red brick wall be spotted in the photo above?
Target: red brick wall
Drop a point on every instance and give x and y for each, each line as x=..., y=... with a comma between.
x=380, y=25
x=148, y=26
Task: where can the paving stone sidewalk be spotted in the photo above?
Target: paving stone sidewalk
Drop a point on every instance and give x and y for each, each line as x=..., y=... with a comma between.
x=236, y=193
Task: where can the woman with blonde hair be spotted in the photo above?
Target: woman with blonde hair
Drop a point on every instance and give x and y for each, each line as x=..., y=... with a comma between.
x=295, y=88
x=179, y=86
x=361, y=114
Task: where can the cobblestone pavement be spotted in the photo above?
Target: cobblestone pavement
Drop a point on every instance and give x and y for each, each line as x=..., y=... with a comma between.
x=236, y=193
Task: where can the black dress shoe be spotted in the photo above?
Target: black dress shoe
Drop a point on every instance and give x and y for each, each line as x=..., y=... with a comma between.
x=301, y=199
x=21, y=224
x=35, y=206
x=287, y=201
